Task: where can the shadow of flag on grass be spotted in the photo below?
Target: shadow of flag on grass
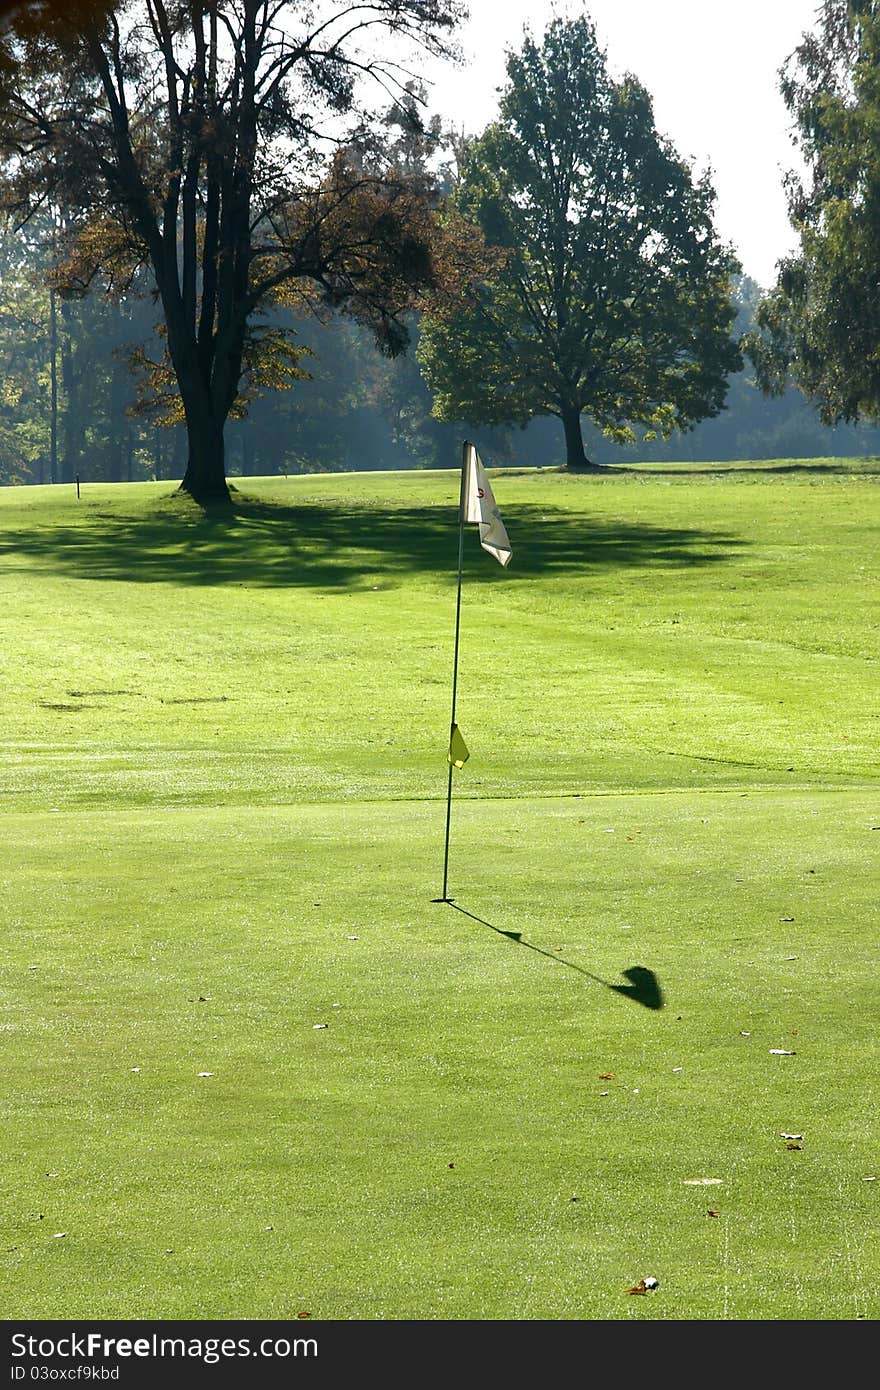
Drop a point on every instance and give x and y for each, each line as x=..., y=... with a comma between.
x=643, y=987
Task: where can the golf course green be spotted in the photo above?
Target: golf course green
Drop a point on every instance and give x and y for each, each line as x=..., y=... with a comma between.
x=251, y=1070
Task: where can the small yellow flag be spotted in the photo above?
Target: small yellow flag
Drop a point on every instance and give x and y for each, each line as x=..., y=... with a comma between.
x=458, y=749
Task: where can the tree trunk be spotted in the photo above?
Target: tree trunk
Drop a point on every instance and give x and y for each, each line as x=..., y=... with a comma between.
x=247, y=462
x=158, y=452
x=69, y=462
x=118, y=392
x=177, y=466
x=53, y=388
x=205, y=476
x=575, y=458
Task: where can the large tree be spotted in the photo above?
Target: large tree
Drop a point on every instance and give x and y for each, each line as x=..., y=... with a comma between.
x=211, y=140
x=615, y=297
x=820, y=325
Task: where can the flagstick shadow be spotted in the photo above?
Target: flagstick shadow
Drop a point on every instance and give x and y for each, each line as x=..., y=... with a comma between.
x=643, y=987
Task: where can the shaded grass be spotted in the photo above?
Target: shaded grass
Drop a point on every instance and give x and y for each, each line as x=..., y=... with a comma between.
x=224, y=787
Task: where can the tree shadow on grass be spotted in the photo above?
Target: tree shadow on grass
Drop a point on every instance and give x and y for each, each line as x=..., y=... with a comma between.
x=643, y=987
x=859, y=468
x=340, y=546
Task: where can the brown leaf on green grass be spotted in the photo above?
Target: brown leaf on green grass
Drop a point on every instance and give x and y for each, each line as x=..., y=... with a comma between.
x=606, y=1075
x=644, y=1285
x=790, y=1145
x=712, y=1212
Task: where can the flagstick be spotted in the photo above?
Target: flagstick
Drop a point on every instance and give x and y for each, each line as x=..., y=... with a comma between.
x=444, y=898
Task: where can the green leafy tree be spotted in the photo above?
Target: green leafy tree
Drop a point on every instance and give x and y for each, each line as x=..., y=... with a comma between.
x=25, y=423
x=820, y=325
x=212, y=141
x=614, y=298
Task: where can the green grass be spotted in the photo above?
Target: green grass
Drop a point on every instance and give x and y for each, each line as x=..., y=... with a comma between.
x=223, y=816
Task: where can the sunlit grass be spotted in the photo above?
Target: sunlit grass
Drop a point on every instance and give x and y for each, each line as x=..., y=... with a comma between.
x=224, y=798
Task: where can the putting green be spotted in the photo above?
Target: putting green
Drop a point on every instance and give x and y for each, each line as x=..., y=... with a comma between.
x=251, y=1069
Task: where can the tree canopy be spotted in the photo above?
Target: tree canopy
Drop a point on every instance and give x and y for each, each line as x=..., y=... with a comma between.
x=820, y=325
x=614, y=297
x=227, y=146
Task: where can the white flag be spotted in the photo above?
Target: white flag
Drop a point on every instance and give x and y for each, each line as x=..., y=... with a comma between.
x=479, y=506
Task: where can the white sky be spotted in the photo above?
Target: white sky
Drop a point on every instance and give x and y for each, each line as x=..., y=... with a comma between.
x=711, y=68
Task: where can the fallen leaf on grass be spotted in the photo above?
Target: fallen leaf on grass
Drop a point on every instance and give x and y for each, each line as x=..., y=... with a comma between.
x=702, y=1182
x=785, y=1135
x=320, y=1025
x=606, y=1075
x=59, y=1235
x=644, y=1285
x=206, y=1073
x=781, y=1052
x=790, y=1145
x=712, y=1212
x=303, y=1315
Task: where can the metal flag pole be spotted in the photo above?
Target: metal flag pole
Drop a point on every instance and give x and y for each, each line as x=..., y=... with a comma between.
x=464, y=448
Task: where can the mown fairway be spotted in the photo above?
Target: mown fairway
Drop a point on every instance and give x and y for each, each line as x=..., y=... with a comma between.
x=224, y=786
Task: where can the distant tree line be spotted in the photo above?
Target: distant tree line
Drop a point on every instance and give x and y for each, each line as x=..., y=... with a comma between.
x=548, y=268
x=356, y=410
